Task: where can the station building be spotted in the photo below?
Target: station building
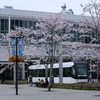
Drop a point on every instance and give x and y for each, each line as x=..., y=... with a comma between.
x=10, y=17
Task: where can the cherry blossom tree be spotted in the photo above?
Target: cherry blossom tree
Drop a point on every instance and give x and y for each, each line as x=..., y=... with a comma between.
x=50, y=32
x=84, y=52
x=6, y=46
x=92, y=22
x=49, y=35
x=88, y=29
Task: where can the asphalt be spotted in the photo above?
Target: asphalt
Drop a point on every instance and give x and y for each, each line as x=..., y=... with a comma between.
x=25, y=92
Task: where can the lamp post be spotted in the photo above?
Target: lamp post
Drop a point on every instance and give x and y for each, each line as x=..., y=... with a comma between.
x=16, y=63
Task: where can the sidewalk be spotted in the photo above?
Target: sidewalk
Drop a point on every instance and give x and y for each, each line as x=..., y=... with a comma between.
x=8, y=92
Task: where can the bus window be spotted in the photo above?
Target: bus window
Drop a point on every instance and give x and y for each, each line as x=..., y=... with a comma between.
x=66, y=72
x=55, y=72
x=73, y=72
x=80, y=65
x=34, y=73
x=81, y=71
x=41, y=73
x=30, y=72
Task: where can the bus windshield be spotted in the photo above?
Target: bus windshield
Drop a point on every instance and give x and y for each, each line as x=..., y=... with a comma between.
x=81, y=71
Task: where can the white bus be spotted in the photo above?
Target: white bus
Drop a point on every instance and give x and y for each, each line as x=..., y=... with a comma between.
x=73, y=72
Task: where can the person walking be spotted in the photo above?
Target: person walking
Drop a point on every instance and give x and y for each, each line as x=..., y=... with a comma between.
x=90, y=77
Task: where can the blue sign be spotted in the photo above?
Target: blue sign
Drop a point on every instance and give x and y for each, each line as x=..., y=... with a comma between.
x=50, y=51
x=13, y=47
x=20, y=47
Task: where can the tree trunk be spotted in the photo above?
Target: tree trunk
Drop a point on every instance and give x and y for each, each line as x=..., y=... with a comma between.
x=50, y=78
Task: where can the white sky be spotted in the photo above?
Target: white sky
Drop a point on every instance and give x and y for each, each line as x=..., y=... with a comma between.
x=46, y=5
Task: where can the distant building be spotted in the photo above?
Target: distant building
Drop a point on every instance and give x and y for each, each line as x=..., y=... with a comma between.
x=10, y=17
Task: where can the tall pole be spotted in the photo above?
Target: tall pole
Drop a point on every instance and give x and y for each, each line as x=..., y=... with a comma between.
x=60, y=63
x=16, y=63
x=16, y=68
x=60, y=66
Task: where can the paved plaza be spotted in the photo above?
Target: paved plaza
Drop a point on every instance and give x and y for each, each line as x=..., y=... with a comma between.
x=8, y=92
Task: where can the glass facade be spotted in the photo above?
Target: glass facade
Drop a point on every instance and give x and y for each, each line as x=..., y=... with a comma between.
x=4, y=24
x=4, y=28
x=22, y=23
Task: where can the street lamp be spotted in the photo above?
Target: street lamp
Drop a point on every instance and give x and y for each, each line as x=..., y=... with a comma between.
x=16, y=63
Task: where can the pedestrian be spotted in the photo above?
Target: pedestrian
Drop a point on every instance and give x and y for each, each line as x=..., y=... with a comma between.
x=45, y=84
x=37, y=83
x=90, y=77
x=42, y=81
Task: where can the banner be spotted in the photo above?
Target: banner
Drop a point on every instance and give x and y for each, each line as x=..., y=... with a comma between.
x=13, y=47
x=20, y=47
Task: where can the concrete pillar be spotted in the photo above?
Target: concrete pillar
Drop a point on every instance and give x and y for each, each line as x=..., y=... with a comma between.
x=23, y=71
x=60, y=65
x=14, y=74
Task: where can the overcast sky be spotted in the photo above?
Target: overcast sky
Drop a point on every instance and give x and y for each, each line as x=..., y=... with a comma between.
x=46, y=5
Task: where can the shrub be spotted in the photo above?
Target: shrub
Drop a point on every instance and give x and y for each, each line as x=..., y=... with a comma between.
x=13, y=59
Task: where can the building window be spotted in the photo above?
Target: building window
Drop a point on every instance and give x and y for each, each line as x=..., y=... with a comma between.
x=6, y=24
x=21, y=23
x=30, y=24
x=2, y=24
x=12, y=24
x=17, y=23
x=26, y=24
